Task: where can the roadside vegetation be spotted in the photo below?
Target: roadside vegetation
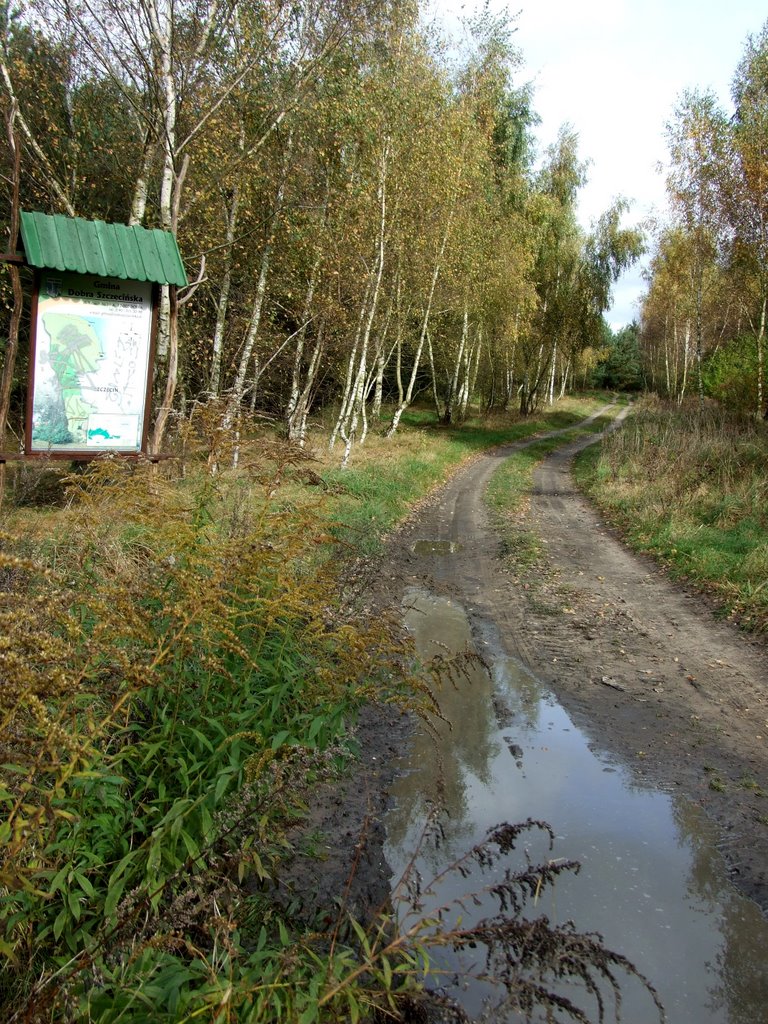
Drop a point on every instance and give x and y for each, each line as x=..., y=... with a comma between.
x=704, y=317
x=176, y=679
x=689, y=485
x=510, y=487
x=178, y=674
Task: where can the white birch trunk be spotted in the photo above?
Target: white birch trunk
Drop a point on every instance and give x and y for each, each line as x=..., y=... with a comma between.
x=168, y=298
x=17, y=309
x=454, y=397
x=666, y=356
x=160, y=17
x=381, y=358
x=676, y=358
x=475, y=367
x=257, y=309
x=348, y=426
x=297, y=425
x=378, y=392
x=552, y=372
x=441, y=415
x=346, y=397
x=141, y=188
x=510, y=370
x=167, y=334
x=214, y=385
x=564, y=382
x=238, y=388
x=406, y=399
x=472, y=366
x=681, y=396
x=298, y=356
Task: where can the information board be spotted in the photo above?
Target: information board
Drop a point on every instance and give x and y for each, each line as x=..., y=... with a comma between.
x=92, y=348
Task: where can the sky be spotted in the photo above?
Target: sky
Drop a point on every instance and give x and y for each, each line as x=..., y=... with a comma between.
x=614, y=70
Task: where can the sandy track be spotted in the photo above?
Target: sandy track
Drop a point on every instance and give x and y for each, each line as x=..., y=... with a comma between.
x=644, y=667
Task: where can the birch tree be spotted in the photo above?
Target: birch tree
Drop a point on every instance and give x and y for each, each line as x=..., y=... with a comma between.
x=12, y=343
x=667, y=314
x=556, y=246
x=697, y=143
x=748, y=205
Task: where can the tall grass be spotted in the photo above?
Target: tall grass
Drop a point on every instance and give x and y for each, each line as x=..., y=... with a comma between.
x=690, y=486
x=176, y=674
x=173, y=680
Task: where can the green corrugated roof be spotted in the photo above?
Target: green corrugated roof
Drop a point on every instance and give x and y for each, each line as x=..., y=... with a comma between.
x=94, y=247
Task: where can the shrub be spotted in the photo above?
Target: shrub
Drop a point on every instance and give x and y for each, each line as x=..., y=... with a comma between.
x=173, y=677
x=730, y=375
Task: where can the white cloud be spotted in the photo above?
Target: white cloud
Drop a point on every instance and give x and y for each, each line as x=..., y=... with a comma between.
x=614, y=69
x=568, y=16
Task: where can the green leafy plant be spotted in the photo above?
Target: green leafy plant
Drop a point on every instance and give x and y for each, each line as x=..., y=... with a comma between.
x=177, y=672
x=172, y=684
x=688, y=486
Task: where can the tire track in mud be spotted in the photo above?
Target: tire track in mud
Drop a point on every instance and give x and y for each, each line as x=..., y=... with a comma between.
x=474, y=571
x=641, y=665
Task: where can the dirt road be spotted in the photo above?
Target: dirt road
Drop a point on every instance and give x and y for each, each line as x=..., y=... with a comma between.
x=644, y=668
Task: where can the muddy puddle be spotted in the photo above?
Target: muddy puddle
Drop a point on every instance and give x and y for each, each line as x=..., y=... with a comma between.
x=436, y=547
x=652, y=881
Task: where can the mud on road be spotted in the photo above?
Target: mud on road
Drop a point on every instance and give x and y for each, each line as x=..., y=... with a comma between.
x=643, y=667
x=649, y=672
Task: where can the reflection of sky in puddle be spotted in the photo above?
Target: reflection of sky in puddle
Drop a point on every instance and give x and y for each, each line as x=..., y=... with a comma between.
x=436, y=547
x=651, y=881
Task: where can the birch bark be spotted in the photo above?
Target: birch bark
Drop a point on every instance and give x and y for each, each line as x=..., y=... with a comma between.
x=12, y=344
x=298, y=356
x=407, y=398
x=348, y=422
x=222, y=306
x=459, y=364
x=238, y=389
x=472, y=380
x=686, y=346
x=442, y=414
x=297, y=427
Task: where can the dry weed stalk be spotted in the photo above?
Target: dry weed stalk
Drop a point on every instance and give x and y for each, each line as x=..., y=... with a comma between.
x=162, y=655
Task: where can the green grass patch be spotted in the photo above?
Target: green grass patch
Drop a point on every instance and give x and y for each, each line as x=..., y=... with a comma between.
x=690, y=487
x=177, y=674
x=511, y=484
x=386, y=478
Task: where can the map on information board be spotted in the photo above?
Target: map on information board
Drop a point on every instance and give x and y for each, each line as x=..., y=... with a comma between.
x=91, y=362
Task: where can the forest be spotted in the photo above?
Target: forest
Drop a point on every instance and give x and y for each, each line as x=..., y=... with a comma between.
x=336, y=264
x=360, y=211
x=703, y=318
x=386, y=278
